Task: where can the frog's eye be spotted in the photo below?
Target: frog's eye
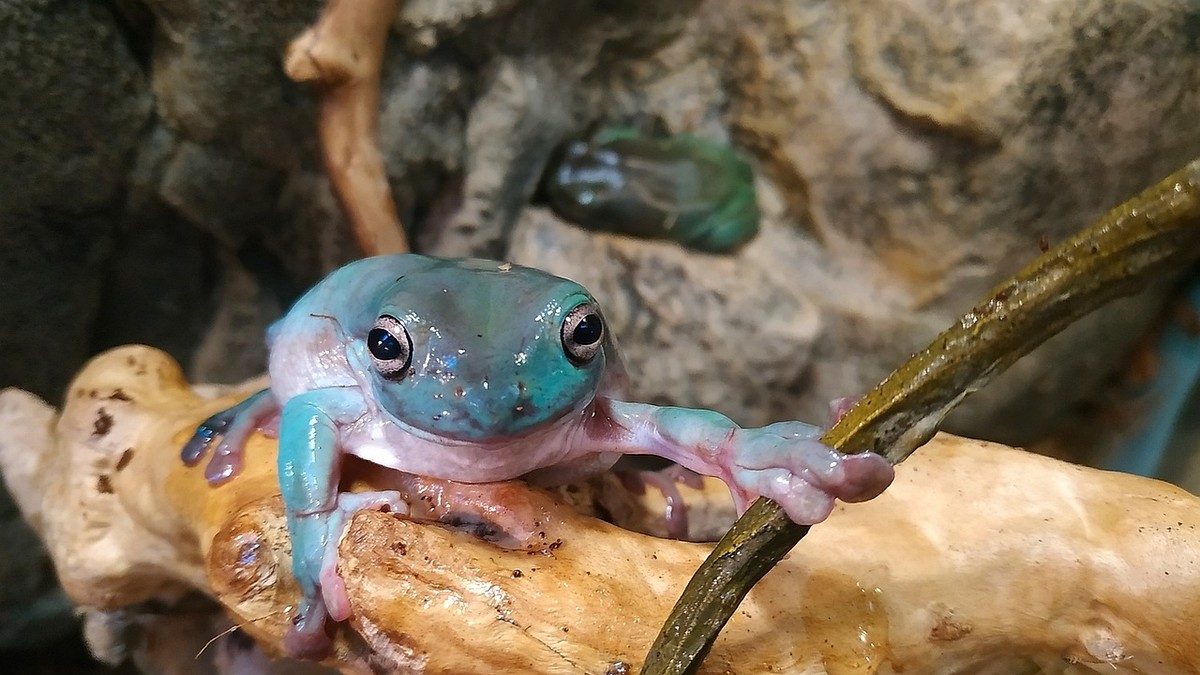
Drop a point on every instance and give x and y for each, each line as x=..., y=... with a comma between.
x=390, y=347
x=583, y=333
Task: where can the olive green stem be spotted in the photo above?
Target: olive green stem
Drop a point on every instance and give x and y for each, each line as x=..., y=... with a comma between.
x=1138, y=242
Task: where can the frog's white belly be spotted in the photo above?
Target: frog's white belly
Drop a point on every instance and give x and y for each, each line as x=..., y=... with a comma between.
x=383, y=442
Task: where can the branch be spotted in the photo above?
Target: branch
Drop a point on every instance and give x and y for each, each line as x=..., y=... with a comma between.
x=978, y=556
x=344, y=52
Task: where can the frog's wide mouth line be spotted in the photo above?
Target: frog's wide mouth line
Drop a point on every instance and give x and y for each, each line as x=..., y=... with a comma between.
x=498, y=442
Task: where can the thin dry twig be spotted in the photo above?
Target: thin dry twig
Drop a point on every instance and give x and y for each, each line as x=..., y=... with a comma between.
x=343, y=51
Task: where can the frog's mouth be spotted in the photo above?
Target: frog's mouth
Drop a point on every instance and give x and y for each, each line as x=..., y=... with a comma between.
x=463, y=423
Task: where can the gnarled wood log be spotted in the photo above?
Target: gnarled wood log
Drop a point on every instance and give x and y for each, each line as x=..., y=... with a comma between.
x=980, y=558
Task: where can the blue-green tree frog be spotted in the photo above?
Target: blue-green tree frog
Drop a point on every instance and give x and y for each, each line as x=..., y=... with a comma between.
x=478, y=371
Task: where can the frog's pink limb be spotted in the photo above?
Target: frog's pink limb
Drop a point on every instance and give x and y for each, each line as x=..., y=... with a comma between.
x=667, y=480
x=783, y=461
x=333, y=589
x=838, y=408
x=258, y=411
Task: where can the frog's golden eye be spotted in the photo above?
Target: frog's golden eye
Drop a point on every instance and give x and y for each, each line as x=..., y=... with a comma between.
x=390, y=347
x=583, y=333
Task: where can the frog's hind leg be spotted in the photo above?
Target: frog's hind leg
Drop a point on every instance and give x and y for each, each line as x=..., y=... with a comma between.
x=667, y=482
x=233, y=426
x=333, y=589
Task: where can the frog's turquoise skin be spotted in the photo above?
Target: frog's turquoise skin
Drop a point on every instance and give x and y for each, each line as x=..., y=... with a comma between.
x=476, y=371
x=502, y=380
x=683, y=188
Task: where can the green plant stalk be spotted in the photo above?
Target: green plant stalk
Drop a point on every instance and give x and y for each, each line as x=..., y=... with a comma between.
x=1141, y=240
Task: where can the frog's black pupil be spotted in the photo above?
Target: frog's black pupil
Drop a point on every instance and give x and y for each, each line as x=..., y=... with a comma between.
x=587, y=331
x=383, y=345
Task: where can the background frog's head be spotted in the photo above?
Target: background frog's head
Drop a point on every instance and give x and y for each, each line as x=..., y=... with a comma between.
x=478, y=350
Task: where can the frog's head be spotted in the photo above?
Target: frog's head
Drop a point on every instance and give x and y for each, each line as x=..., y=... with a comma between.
x=475, y=350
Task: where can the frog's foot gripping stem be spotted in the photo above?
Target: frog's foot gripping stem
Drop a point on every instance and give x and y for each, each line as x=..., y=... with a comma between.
x=315, y=540
x=785, y=462
x=233, y=426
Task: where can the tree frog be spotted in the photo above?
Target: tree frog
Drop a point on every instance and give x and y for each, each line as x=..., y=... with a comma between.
x=478, y=371
x=680, y=187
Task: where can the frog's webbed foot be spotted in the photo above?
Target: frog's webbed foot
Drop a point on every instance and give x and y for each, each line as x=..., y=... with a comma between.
x=315, y=538
x=786, y=462
x=838, y=408
x=233, y=426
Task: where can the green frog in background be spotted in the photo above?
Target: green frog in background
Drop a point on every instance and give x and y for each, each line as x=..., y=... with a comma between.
x=678, y=187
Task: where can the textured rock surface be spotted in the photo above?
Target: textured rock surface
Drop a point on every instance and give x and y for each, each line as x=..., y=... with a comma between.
x=920, y=152
x=75, y=102
x=73, y=105
x=907, y=161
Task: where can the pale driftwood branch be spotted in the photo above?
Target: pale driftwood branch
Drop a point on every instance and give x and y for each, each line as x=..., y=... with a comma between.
x=980, y=558
x=343, y=52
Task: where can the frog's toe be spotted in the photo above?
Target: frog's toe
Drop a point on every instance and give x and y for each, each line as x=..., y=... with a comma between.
x=805, y=476
x=838, y=408
x=333, y=592
x=197, y=446
x=226, y=461
x=204, y=436
x=864, y=476
x=804, y=502
x=333, y=588
x=235, y=426
x=666, y=481
x=307, y=639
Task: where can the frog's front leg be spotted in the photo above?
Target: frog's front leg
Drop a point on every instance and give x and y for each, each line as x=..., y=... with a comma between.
x=782, y=461
x=309, y=471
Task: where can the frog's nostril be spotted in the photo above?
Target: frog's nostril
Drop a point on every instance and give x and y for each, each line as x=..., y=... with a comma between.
x=522, y=406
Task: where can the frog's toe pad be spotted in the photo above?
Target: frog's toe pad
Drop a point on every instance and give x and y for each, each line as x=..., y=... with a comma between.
x=307, y=639
x=864, y=476
x=807, y=478
x=203, y=438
